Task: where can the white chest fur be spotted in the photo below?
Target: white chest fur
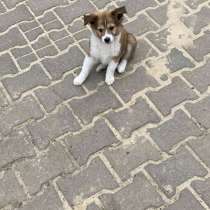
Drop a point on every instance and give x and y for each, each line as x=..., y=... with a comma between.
x=102, y=51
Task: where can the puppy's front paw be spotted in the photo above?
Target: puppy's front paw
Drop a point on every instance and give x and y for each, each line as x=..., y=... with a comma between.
x=78, y=81
x=109, y=80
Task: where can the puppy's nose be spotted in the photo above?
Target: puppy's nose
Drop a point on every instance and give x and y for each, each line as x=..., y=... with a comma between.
x=107, y=40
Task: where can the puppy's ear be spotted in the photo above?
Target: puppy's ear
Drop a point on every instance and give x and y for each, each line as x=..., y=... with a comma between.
x=118, y=13
x=90, y=19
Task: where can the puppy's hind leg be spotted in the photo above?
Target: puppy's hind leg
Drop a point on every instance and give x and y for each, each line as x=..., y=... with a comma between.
x=129, y=53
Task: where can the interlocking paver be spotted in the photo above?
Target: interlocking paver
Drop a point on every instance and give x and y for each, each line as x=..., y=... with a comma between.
x=128, y=157
x=175, y=171
x=99, y=147
x=53, y=126
x=136, y=82
x=16, y=146
x=49, y=199
x=10, y=189
x=18, y=113
x=171, y=95
x=59, y=65
x=11, y=39
x=83, y=145
x=186, y=201
x=7, y=65
x=37, y=171
x=88, y=182
x=54, y=95
x=202, y=188
x=199, y=20
x=87, y=107
x=200, y=77
x=139, y=195
x=200, y=49
x=199, y=111
x=26, y=81
x=174, y=131
x=201, y=148
x=128, y=120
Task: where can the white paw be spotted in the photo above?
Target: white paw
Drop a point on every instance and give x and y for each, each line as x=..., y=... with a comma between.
x=109, y=80
x=78, y=81
x=122, y=66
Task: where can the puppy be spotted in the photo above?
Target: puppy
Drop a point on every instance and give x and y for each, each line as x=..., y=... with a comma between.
x=111, y=46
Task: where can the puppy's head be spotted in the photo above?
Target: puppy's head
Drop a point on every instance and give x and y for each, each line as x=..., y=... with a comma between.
x=106, y=24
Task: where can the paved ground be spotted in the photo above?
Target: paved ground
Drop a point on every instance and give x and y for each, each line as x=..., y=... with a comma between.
x=141, y=144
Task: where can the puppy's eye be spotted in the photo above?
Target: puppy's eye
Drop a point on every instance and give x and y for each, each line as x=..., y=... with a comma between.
x=111, y=28
x=100, y=30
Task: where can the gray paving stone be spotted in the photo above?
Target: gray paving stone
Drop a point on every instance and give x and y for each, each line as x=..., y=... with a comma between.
x=14, y=147
x=84, y=34
x=186, y=201
x=86, y=108
x=48, y=200
x=77, y=25
x=64, y=43
x=56, y=35
x=43, y=41
x=128, y=120
x=48, y=17
x=168, y=97
x=28, y=26
x=21, y=83
x=11, y=4
x=72, y=11
x=200, y=111
x=173, y=131
x=50, y=164
x=135, y=82
x=20, y=52
x=21, y=13
x=134, y=6
x=34, y=34
x=175, y=171
x=194, y=3
x=101, y=4
x=10, y=189
x=55, y=25
x=59, y=65
x=7, y=66
x=18, y=113
x=200, y=77
x=159, y=39
x=138, y=195
x=143, y=51
x=93, y=207
x=200, y=49
x=11, y=39
x=178, y=61
x=142, y=24
x=2, y=8
x=159, y=14
x=40, y=6
x=52, y=127
x=198, y=20
x=88, y=182
x=201, y=148
x=203, y=189
x=128, y=157
x=54, y=95
x=25, y=61
x=47, y=51
x=83, y=145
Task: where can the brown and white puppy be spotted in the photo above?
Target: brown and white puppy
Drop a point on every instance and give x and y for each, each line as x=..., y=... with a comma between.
x=111, y=45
